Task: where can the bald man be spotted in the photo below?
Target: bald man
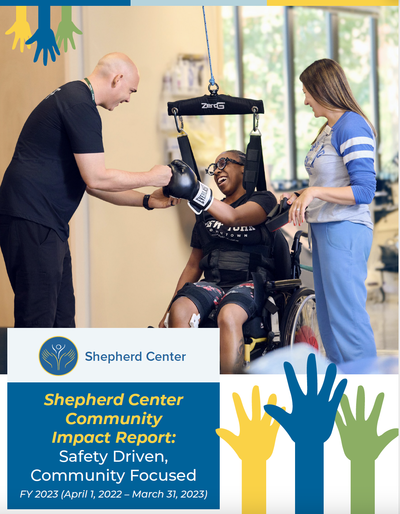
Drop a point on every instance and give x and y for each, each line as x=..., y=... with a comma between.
x=59, y=155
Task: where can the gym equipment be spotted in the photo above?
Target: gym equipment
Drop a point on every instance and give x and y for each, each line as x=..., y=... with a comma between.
x=289, y=314
x=216, y=104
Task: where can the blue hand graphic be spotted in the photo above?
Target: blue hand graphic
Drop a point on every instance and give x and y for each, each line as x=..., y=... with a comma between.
x=44, y=36
x=309, y=425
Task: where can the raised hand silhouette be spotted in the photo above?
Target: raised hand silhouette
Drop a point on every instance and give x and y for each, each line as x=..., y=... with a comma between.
x=309, y=425
x=21, y=28
x=66, y=29
x=362, y=446
x=254, y=446
x=44, y=36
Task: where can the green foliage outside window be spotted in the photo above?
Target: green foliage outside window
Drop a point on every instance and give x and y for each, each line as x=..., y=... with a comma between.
x=264, y=72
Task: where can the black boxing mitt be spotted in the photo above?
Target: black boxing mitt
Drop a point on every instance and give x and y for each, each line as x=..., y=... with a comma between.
x=184, y=184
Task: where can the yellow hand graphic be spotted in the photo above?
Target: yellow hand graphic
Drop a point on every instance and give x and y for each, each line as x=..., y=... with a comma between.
x=21, y=28
x=254, y=446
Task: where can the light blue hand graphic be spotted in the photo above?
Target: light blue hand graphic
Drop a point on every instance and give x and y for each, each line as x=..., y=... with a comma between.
x=66, y=29
x=44, y=36
x=309, y=425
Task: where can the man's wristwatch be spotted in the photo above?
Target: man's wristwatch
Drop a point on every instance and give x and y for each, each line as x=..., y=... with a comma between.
x=146, y=203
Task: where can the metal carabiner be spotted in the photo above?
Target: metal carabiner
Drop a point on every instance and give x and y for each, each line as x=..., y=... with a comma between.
x=256, y=117
x=175, y=113
x=213, y=92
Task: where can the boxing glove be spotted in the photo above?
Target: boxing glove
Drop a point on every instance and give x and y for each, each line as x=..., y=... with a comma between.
x=184, y=184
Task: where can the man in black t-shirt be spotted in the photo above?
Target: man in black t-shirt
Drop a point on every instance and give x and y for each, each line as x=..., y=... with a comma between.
x=230, y=242
x=59, y=155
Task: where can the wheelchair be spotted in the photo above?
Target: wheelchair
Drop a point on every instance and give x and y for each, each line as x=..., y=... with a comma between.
x=289, y=313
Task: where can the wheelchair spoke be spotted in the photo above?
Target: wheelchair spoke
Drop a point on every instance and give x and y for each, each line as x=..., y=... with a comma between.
x=300, y=323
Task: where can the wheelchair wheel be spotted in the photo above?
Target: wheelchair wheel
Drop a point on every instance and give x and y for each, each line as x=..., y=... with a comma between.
x=299, y=322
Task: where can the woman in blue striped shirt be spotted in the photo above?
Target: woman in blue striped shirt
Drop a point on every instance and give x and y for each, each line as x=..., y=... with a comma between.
x=342, y=183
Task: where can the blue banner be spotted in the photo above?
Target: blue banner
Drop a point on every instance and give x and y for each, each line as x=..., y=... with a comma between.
x=113, y=446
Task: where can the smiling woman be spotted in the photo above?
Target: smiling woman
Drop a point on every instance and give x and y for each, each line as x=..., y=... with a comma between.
x=229, y=243
x=340, y=165
x=217, y=168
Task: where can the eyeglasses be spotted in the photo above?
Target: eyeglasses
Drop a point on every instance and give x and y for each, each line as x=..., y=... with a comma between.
x=221, y=164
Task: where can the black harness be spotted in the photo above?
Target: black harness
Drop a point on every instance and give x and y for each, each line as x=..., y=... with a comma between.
x=249, y=259
x=215, y=104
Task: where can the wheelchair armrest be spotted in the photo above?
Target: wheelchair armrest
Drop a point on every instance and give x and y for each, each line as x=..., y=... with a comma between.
x=279, y=216
x=282, y=285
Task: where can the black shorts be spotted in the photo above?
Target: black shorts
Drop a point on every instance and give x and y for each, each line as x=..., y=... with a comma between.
x=209, y=298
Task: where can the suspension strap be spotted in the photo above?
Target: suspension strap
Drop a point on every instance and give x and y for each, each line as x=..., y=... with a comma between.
x=184, y=144
x=254, y=175
x=187, y=153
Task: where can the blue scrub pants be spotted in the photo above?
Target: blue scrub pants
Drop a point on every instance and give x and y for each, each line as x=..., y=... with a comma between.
x=340, y=252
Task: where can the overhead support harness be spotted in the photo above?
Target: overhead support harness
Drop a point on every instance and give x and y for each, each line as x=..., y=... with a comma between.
x=216, y=104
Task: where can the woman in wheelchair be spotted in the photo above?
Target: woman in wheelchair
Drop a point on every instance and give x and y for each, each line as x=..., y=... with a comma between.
x=229, y=243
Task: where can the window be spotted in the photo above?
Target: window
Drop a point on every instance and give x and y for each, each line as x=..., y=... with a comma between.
x=388, y=59
x=265, y=37
x=310, y=43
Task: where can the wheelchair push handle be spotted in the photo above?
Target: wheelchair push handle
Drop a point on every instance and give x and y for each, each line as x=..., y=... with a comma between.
x=299, y=234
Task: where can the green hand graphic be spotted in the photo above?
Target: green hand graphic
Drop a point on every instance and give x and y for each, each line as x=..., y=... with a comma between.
x=66, y=29
x=21, y=28
x=362, y=446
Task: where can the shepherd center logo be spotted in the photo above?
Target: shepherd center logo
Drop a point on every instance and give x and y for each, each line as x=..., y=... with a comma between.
x=58, y=356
